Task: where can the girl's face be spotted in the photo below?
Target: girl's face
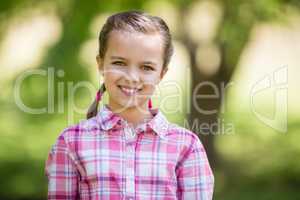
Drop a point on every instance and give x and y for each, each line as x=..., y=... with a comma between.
x=132, y=67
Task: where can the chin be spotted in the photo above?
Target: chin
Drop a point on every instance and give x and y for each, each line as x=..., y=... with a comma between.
x=131, y=104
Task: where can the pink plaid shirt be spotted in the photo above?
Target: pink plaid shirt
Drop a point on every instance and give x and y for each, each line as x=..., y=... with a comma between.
x=105, y=158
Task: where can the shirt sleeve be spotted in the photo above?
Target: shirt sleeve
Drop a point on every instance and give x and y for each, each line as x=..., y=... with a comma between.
x=61, y=172
x=194, y=176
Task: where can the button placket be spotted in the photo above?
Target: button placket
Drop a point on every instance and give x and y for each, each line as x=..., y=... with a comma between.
x=130, y=159
x=129, y=133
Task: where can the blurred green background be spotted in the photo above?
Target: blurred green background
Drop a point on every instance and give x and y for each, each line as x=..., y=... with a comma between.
x=249, y=50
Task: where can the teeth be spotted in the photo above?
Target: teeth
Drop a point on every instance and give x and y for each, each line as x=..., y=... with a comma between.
x=130, y=91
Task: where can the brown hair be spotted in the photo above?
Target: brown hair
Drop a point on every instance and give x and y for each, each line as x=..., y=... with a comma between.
x=132, y=21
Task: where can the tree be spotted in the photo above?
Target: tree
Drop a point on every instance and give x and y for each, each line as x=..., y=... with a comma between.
x=239, y=18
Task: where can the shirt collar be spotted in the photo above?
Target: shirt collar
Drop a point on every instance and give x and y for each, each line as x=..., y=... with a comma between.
x=108, y=120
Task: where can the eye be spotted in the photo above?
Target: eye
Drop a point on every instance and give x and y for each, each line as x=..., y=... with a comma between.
x=119, y=63
x=147, y=68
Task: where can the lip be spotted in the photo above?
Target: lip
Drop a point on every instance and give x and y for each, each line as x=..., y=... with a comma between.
x=128, y=91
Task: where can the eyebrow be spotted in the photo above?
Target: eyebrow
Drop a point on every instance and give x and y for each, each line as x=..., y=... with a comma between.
x=149, y=63
x=117, y=57
x=121, y=58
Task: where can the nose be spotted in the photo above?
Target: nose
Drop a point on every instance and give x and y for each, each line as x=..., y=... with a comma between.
x=132, y=75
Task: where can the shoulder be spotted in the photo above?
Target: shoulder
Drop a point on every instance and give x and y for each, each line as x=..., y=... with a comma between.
x=74, y=136
x=76, y=131
x=183, y=135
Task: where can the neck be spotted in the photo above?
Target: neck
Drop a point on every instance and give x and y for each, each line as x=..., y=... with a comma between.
x=133, y=115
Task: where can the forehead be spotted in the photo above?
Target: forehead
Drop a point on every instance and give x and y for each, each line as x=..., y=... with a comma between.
x=135, y=45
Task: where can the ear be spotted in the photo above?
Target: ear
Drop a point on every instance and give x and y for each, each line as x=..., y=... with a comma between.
x=100, y=64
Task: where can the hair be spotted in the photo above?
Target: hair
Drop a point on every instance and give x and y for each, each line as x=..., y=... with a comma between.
x=132, y=21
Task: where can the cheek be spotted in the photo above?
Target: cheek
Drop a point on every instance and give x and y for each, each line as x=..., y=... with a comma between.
x=109, y=80
x=150, y=83
x=112, y=75
x=151, y=80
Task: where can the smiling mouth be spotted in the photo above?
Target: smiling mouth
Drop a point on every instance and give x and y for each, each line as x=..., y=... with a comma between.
x=129, y=91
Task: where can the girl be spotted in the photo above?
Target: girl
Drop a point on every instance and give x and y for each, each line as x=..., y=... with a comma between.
x=129, y=150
